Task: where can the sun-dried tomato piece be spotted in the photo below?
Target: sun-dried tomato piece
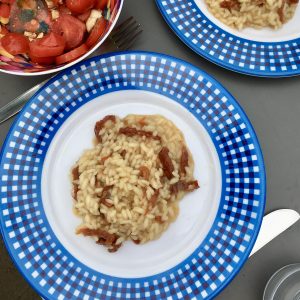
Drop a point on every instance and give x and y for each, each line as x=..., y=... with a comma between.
x=114, y=248
x=186, y=186
x=136, y=241
x=166, y=162
x=100, y=124
x=230, y=4
x=75, y=191
x=104, y=236
x=159, y=220
x=280, y=11
x=75, y=173
x=105, y=194
x=131, y=131
x=144, y=172
x=123, y=153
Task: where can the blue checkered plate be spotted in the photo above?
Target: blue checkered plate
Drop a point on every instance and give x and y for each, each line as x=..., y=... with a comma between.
x=264, y=52
x=217, y=225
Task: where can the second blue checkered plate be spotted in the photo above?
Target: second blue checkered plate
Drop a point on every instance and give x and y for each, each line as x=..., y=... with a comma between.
x=264, y=52
x=217, y=225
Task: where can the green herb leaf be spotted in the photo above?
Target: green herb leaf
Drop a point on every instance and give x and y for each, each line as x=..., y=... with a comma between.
x=26, y=15
x=106, y=13
x=44, y=27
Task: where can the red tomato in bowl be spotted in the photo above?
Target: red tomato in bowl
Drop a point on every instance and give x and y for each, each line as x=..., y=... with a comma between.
x=96, y=32
x=79, y=6
x=4, y=10
x=3, y=30
x=71, y=28
x=50, y=45
x=8, y=1
x=112, y=5
x=101, y=4
x=83, y=17
x=72, y=55
x=15, y=43
x=42, y=60
x=63, y=10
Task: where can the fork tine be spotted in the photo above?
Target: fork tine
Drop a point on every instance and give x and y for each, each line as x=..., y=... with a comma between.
x=122, y=37
x=130, y=40
x=127, y=33
x=123, y=31
x=124, y=23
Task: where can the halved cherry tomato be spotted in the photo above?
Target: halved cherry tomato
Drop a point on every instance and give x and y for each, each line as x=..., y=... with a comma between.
x=3, y=30
x=51, y=44
x=85, y=16
x=4, y=10
x=101, y=4
x=8, y=1
x=96, y=32
x=72, y=55
x=15, y=43
x=79, y=6
x=71, y=29
x=63, y=10
x=42, y=60
x=112, y=5
x=52, y=40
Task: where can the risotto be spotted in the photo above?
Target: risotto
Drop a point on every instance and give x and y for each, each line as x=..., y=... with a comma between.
x=253, y=13
x=128, y=186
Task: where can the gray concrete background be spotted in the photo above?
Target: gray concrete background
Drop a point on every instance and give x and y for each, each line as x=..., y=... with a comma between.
x=272, y=105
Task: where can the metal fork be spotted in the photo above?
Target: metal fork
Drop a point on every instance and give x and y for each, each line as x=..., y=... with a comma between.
x=121, y=38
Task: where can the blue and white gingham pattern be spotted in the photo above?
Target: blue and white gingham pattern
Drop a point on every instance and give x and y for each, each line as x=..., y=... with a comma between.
x=54, y=272
x=274, y=59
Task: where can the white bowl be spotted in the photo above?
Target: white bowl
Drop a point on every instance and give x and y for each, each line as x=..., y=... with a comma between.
x=23, y=68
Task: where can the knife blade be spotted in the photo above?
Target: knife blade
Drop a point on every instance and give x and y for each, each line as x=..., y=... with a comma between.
x=274, y=224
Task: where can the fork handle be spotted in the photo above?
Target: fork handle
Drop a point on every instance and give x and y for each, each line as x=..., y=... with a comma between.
x=13, y=107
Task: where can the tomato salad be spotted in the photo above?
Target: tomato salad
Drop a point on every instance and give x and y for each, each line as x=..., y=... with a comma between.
x=52, y=31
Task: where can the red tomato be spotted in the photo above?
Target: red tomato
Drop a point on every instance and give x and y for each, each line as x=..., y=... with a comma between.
x=8, y=1
x=79, y=6
x=55, y=2
x=52, y=40
x=85, y=16
x=3, y=30
x=72, y=55
x=15, y=43
x=96, y=32
x=63, y=10
x=101, y=4
x=112, y=5
x=71, y=29
x=51, y=44
x=42, y=60
x=4, y=10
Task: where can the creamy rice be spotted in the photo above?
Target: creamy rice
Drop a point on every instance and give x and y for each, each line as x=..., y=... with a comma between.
x=253, y=13
x=128, y=186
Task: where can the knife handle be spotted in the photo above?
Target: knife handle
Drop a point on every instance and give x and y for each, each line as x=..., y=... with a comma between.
x=14, y=106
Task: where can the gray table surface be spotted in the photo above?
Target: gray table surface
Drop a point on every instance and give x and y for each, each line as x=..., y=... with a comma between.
x=273, y=106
